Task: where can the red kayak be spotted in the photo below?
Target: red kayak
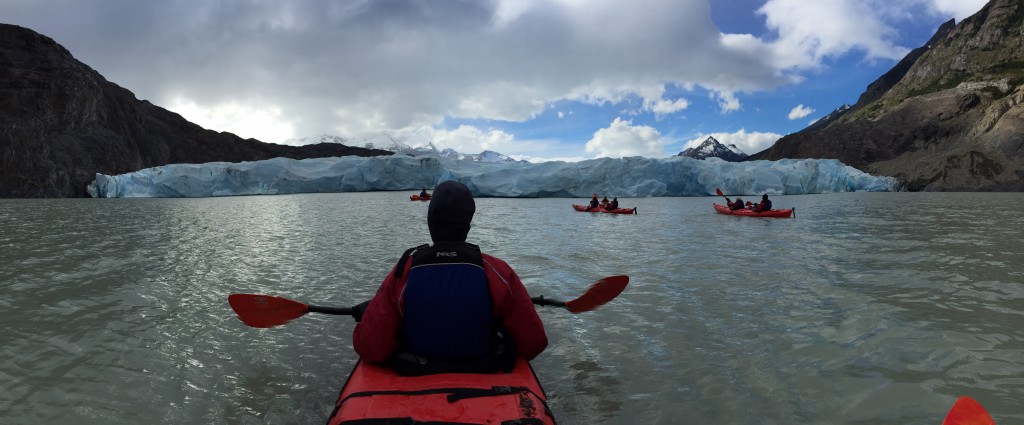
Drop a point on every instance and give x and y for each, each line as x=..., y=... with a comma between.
x=376, y=394
x=586, y=208
x=967, y=411
x=722, y=209
x=419, y=198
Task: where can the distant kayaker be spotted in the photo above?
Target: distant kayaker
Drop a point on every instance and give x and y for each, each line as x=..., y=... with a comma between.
x=594, y=203
x=738, y=205
x=448, y=307
x=764, y=205
x=424, y=194
x=614, y=204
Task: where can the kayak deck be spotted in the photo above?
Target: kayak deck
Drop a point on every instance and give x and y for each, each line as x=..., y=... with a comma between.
x=375, y=394
x=722, y=209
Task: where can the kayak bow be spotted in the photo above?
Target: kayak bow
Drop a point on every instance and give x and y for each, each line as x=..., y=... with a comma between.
x=967, y=411
x=376, y=394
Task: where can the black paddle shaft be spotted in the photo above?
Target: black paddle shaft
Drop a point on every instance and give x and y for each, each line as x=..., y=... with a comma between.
x=543, y=301
x=337, y=311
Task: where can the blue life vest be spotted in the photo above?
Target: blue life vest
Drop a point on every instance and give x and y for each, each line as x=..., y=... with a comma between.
x=447, y=303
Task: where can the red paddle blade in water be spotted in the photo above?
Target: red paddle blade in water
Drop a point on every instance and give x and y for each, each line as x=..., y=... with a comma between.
x=265, y=311
x=967, y=411
x=599, y=293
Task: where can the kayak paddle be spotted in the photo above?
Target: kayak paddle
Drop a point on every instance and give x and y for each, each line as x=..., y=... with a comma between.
x=600, y=292
x=967, y=411
x=719, y=192
x=267, y=311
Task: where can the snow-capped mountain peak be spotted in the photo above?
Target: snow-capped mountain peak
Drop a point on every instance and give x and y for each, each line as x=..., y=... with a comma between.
x=711, y=147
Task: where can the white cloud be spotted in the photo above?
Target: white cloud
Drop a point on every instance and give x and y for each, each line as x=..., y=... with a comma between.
x=246, y=121
x=810, y=31
x=749, y=143
x=958, y=9
x=727, y=102
x=469, y=139
x=622, y=138
x=508, y=11
x=662, y=107
x=364, y=67
x=800, y=111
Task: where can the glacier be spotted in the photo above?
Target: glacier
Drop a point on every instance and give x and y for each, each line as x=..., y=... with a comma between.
x=628, y=177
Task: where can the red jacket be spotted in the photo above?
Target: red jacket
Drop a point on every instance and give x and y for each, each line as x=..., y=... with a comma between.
x=375, y=337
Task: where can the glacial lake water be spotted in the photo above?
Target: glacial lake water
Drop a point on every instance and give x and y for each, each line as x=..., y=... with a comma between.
x=866, y=308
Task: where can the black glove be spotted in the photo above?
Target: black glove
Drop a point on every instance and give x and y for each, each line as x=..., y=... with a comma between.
x=358, y=310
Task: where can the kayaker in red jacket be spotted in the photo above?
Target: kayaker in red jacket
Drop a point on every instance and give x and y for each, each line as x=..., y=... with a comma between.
x=448, y=303
x=764, y=205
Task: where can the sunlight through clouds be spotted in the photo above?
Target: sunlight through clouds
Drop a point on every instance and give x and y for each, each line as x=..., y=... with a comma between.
x=241, y=119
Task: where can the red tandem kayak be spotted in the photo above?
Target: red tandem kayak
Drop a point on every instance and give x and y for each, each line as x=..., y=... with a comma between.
x=376, y=394
x=586, y=208
x=419, y=198
x=722, y=209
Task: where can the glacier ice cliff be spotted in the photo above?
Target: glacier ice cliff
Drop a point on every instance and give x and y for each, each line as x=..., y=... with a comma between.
x=621, y=177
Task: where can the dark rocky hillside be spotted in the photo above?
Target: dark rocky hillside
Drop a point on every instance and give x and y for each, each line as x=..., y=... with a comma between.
x=949, y=117
x=61, y=123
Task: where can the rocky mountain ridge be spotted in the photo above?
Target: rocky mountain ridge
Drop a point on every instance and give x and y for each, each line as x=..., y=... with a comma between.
x=828, y=119
x=949, y=117
x=61, y=123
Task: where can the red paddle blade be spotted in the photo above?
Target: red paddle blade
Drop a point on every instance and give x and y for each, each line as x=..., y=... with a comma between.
x=597, y=294
x=967, y=411
x=265, y=311
x=719, y=192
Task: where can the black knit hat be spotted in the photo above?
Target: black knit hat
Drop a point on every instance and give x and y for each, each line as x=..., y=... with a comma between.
x=450, y=212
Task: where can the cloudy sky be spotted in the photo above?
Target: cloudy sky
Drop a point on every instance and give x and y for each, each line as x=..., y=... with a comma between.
x=535, y=79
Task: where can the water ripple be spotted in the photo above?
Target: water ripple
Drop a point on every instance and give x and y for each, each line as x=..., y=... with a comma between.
x=865, y=308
